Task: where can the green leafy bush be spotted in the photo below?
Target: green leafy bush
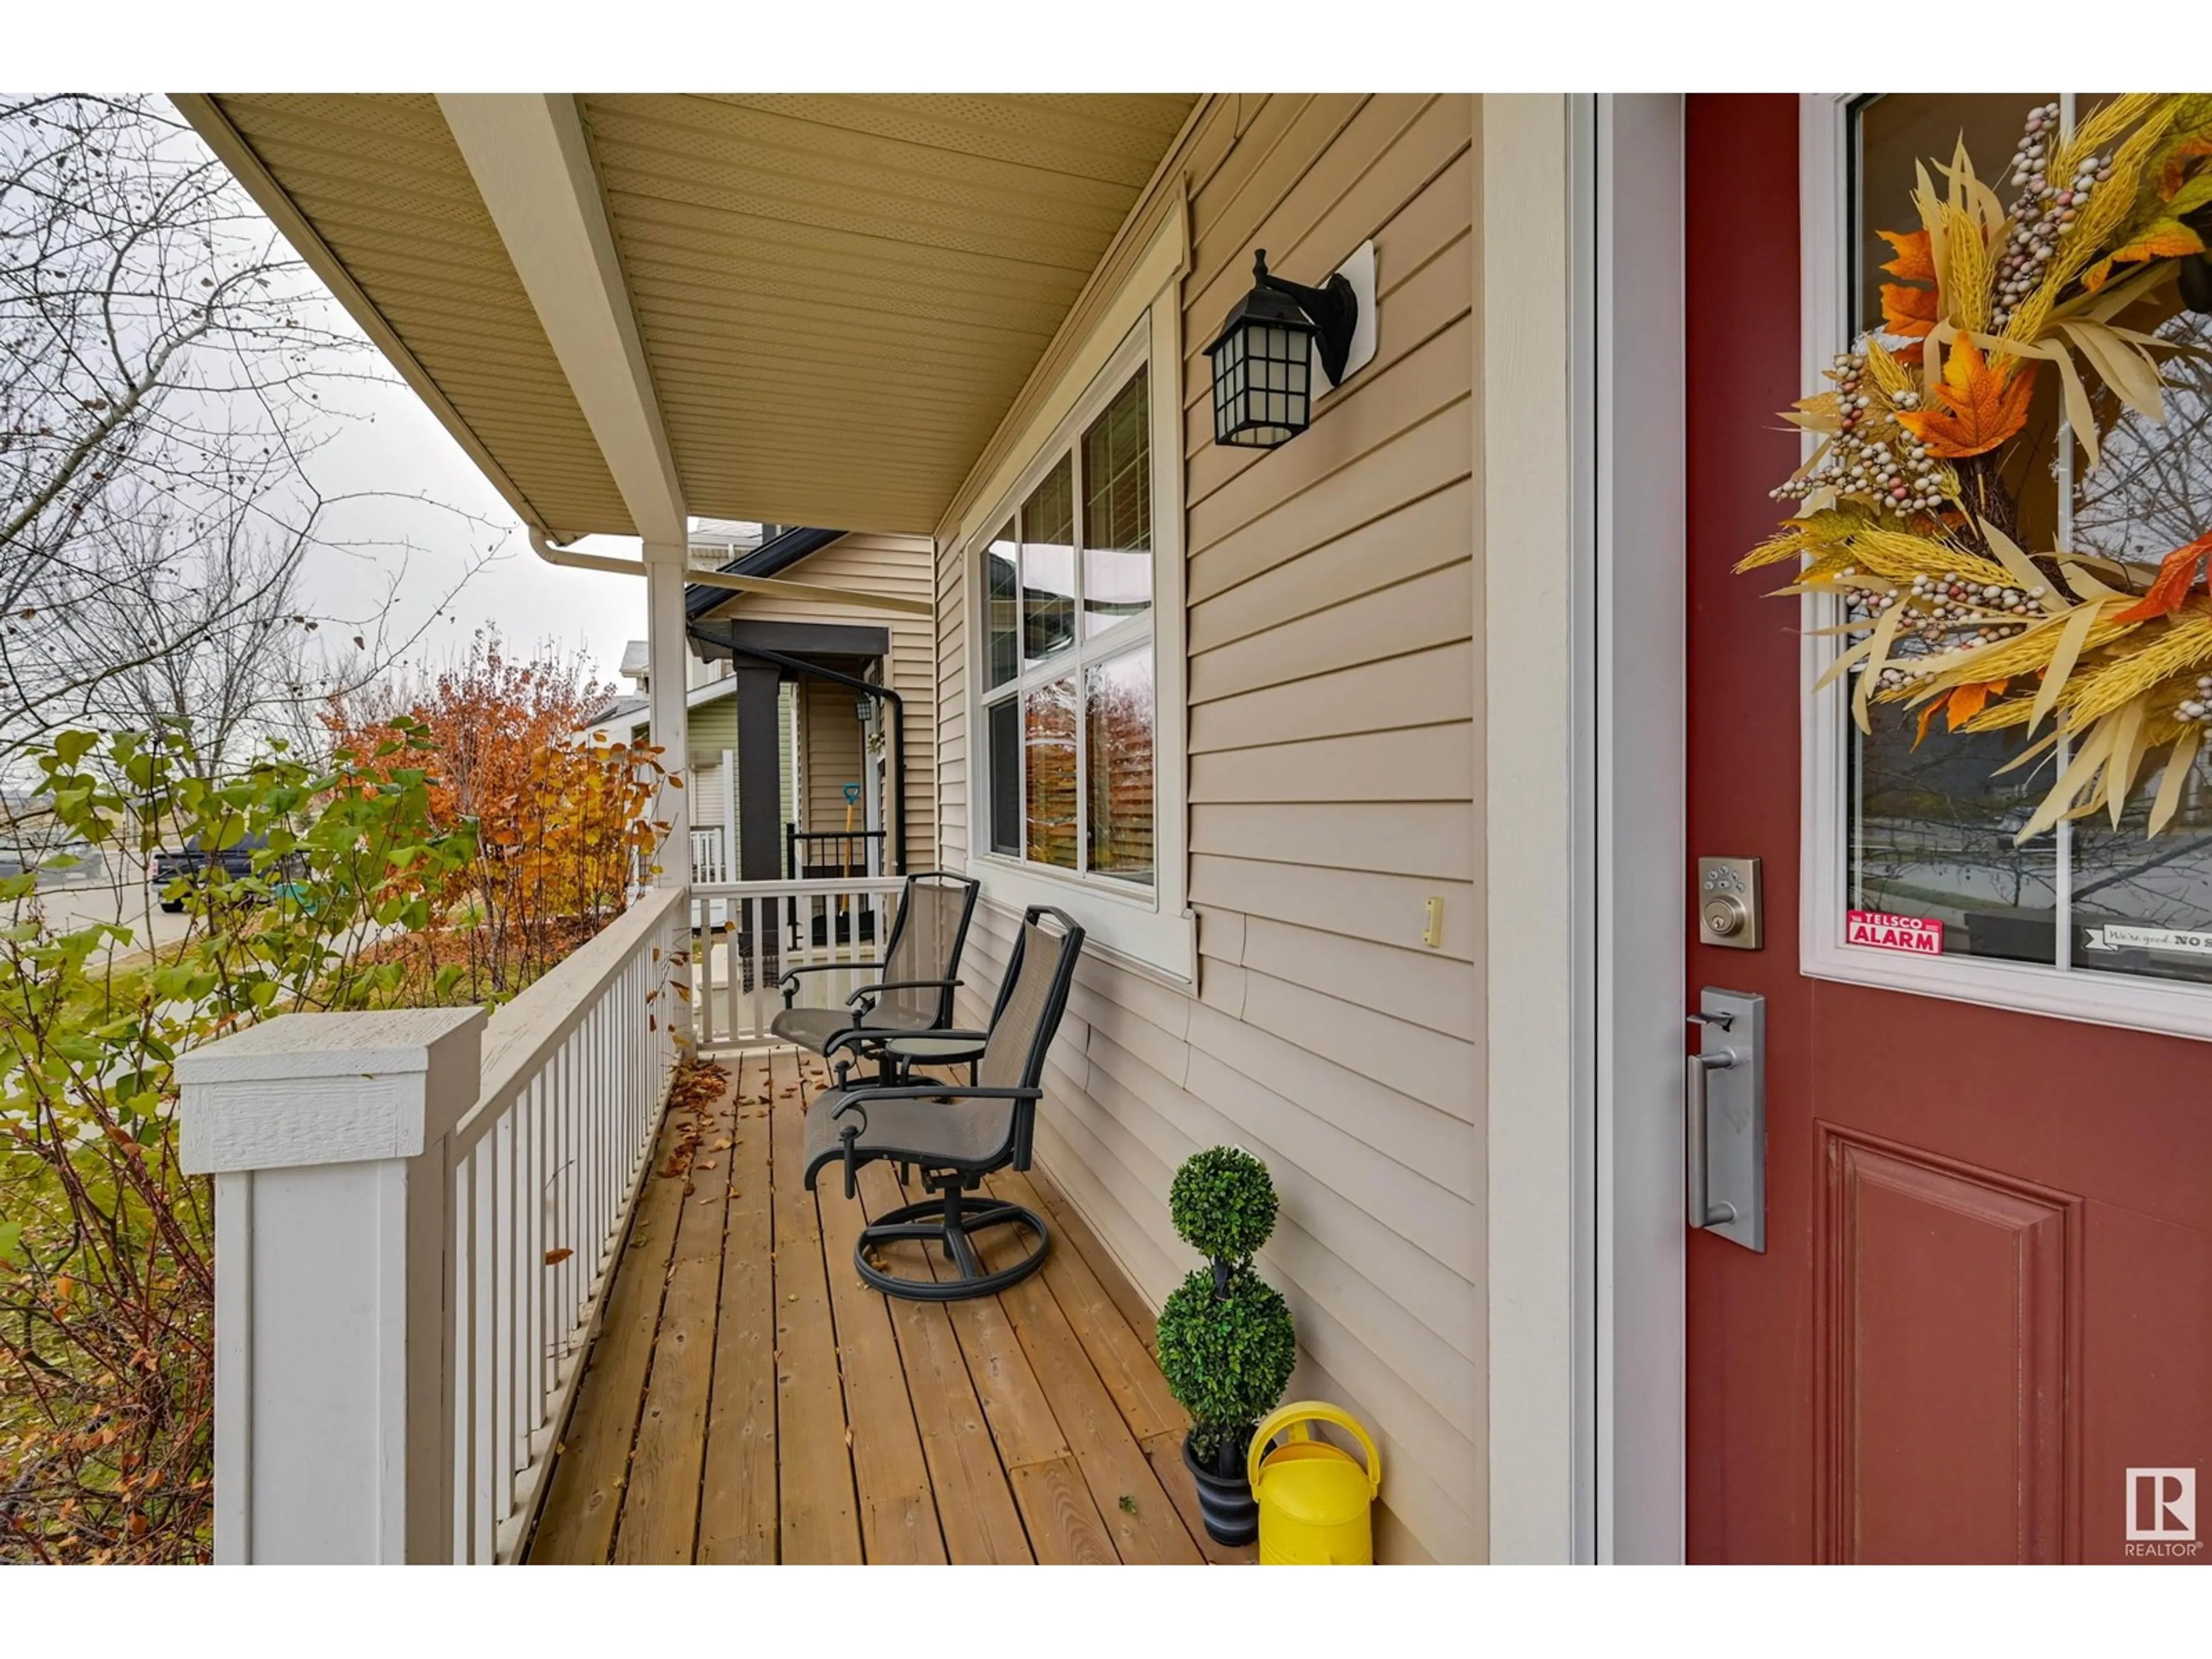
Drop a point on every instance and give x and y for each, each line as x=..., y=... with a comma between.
x=107, y=1247
x=1227, y=1351
x=1222, y=1203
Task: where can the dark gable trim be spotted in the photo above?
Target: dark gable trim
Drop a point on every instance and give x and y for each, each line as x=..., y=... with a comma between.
x=770, y=558
x=793, y=638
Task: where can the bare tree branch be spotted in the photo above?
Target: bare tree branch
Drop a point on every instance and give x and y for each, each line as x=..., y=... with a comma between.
x=164, y=362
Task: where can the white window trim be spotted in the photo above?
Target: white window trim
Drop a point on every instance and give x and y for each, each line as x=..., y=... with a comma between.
x=1152, y=929
x=2137, y=1003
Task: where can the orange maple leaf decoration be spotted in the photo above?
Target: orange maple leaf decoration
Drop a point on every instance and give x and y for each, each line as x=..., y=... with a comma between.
x=1915, y=261
x=1974, y=408
x=1908, y=312
x=1963, y=703
x=2177, y=574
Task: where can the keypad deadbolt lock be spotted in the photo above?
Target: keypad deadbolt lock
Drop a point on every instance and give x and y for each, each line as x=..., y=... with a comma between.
x=1728, y=901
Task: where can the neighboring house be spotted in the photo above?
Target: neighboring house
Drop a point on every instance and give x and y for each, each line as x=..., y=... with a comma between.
x=623, y=716
x=846, y=750
x=837, y=749
x=1369, y=754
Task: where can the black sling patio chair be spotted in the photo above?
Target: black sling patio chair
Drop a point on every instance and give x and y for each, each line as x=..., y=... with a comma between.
x=953, y=1134
x=918, y=966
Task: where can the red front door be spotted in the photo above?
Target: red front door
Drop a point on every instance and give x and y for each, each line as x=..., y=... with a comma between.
x=1982, y=1327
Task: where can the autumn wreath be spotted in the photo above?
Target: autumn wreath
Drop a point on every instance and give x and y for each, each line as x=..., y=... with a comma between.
x=1930, y=506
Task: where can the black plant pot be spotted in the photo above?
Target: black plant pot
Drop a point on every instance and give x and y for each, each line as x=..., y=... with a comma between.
x=1225, y=1501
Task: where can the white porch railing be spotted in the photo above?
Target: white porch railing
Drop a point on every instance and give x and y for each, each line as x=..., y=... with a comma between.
x=748, y=934
x=416, y=1219
x=710, y=858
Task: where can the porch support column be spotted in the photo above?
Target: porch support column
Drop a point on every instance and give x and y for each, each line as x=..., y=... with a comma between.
x=667, y=662
x=760, y=798
x=335, y=1338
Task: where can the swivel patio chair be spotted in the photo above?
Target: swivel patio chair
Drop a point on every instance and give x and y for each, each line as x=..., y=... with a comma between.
x=954, y=1133
x=918, y=966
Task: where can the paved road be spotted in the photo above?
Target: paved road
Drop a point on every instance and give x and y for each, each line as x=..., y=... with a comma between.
x=123, y=897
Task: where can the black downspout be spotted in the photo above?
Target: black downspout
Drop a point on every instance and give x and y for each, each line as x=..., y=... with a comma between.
x=803, y=669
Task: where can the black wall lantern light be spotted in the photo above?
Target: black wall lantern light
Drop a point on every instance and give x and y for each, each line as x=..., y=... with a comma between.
x=1263, y=357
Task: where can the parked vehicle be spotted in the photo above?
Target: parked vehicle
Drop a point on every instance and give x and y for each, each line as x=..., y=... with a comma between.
x=58, y=864
x=191, y=861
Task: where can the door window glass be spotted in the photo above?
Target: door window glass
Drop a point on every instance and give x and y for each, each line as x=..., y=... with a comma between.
x=1932, y=819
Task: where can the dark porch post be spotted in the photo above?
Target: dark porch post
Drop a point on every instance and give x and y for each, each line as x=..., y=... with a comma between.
x=759, y=784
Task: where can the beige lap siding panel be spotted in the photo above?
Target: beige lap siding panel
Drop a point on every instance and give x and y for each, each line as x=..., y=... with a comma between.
x=952, y=740
x=832, y=737
x=1333, y=671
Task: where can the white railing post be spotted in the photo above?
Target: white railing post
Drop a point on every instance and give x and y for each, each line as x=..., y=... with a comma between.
x=326, y=1135
x=774, y=925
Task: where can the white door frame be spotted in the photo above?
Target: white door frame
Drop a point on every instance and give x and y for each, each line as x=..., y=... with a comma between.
x=1629, y=616
x=1581, y=723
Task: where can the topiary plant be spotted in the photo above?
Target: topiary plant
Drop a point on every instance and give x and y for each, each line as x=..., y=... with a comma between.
x=1226, y=1343
x=1222, y=1204
x=1227, y=1350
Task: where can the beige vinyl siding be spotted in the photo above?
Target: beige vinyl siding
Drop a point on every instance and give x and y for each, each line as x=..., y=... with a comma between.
x=832, y=737
x=1331, y=595
x=952, y=745
x=836, y=294
x=941, y=288
x=895, y=566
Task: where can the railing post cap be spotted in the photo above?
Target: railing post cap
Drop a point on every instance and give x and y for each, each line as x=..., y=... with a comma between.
x=304, y=1089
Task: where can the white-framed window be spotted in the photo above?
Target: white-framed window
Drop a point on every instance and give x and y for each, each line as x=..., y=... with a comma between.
x=2094, y=921
x=1075, y=689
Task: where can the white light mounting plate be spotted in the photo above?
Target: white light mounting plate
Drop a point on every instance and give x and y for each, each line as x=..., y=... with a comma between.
x=1359, y=272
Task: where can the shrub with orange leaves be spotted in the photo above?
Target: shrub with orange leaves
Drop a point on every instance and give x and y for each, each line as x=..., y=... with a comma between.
x=558, y=832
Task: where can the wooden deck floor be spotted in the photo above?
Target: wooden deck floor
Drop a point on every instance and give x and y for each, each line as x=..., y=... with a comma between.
x=748, y=1400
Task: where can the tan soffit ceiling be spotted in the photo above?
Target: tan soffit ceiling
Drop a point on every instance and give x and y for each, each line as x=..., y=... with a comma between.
x=838, y=296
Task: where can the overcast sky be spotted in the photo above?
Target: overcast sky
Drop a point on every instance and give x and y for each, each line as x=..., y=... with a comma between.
x=395, y=445
x=387, y=453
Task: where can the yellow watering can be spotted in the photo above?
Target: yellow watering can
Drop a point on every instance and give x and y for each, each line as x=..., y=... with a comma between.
x=1313, y=1498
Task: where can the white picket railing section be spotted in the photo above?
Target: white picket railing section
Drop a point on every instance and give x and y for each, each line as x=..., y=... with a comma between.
x=748, y=934
x=417, y=1218
x=710, y=858
x=544, y=1168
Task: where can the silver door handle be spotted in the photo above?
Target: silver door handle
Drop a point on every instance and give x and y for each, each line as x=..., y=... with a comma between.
x=1724, y=1118
x=1696, y=1068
